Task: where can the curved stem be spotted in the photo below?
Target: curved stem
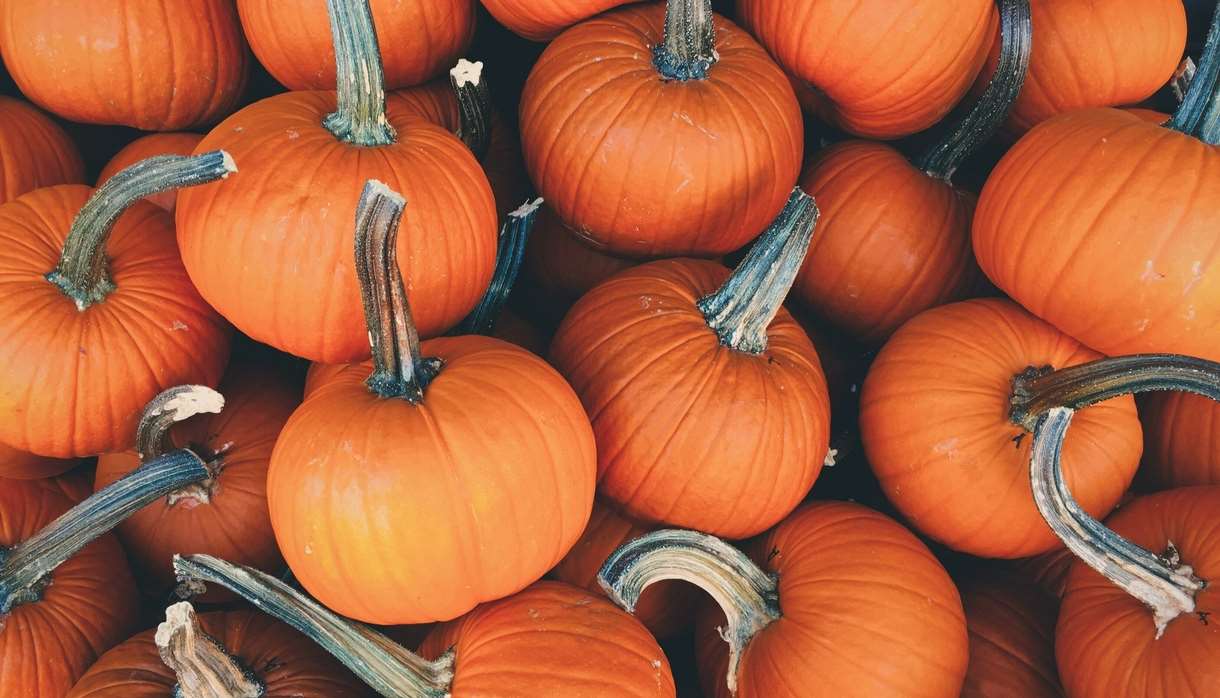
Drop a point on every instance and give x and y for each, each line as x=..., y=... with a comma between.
x=967, y=134
x=1182, y=77
x=509, y=253
x=740, y=310
x=1162, y=582
x=171, y=406
x=203, y=667
x=81, y=272
x=399, y=369
x=24, y=568
x=748, y=596
x=1199, y=113
x=688, y=50
x=474, y=105
x=360, y=117
x=384, y=665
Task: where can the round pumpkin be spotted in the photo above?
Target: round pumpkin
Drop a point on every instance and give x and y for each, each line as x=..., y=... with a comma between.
x=1012, y=639
x=563, y=266
x=542, y=20
x=1180, y=448
x=20, y=465
x=146, y=147
x=34, y=151
x=150, y=65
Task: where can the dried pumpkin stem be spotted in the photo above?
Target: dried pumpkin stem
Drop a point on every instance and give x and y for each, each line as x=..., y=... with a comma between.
x=81, y=272
x=24, y=568
x=474, y=105
x=360, y=117
x=511, y=250
x=384, y=665
x=1182, y=77
x=968, y=133
x=1199, y=113
x=748, y=596
x=171, y=406
x=1162, y=582
x=741, y=310
x=203, y=667
x=399, y=369
x=688, y=50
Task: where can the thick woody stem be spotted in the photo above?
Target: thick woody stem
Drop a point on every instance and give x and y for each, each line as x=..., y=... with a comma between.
x=511, y=251
x=474, y=105
x=171, y=406
x=360, y=117
x=1199, y=113
x=688, y=50
x=203, y=667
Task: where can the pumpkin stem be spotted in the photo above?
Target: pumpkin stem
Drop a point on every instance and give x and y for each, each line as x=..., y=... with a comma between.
x=203, y=667
x=968, y=133
x=1163, y=582
x=1182, y=77
x=741, y=310
x=688, y=50
x=399, y=369
x=81, y=272
x=24, y=568
x=510, y=251
x=1199, y=113
x=360, y=117
x=169, y=407
x=748, y=596
x=384, y=665
x=474, y=105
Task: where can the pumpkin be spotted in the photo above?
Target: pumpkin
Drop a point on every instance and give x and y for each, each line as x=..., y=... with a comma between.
x=837, y=570
x=1047, y=571
x=438, y=449
x=934, y=417
x=98, y=313
x=542, y=20
x=292, y=221
x=146, y=147
x=688, y=148
x=873, y=84
x=1179, y=447
x=150, y=66
x=34, y=151
x=20, y=465
x=706, y=396
x=561, y=265
x=1012, y=639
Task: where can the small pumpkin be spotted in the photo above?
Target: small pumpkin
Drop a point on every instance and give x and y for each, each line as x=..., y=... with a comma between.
x=146, y=147
x=20, y=465
x=34, y=151
x=1180, y=448
x=661, y=129
x=543, y=20
x=156, y=68
x=1011, y=625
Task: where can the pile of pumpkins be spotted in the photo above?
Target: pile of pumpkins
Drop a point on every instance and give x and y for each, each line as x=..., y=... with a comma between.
x=278, y=417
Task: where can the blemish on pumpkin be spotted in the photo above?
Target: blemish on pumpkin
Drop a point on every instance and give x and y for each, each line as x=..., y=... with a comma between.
x=293, y=134
x=1016, y=440
x=533, y=613
x=178, y=326
x=308, y=549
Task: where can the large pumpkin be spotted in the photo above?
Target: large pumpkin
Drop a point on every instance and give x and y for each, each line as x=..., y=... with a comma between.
x=34, y=151
x=542, y=20
x=1012, y=639
x=1180, y=443
x=146, y=147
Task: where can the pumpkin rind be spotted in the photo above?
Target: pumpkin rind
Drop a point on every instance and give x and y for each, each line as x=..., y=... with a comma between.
x=1180, y=444
x=146, y=147
x=542, y=20
x=562, y=265
x=1012, y=640
x=21, y=465
x=34, y=151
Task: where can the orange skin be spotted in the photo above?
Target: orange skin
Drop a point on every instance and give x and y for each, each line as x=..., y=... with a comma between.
x=1105, y=641
x=285, y=661
x=20, y=465
x=552, y=639
x=867, y=611
x=394, y=513
x=543, y=20
x=934, y=420
x=1180, y=447
x=90, y=605
x=151, y=66
x=1012, y=640
x=1047, y=571
x=647, y=167
x=34, y=151
x=146, y=147
x=82, y=390
x=913, y=230
x=291, y=217
x=1093, y=223
x=873, y=85
x=559, y=263
x=657, y=383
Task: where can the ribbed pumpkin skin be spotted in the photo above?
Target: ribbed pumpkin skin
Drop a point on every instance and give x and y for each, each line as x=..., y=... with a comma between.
x=34, y=151
x=393, y=513
x=1048, y=571
x=1105, y=225
x=1181, y=447
x=152, y=65
x=1104, y=642
x=643, y=166
x=286, y=662
x=147, y=147
x=560, y=264
x=885, y=73
x=233, y=524
x=90, y=605
x=689, y=432
x=289, y=220
x=419, y=39
x=73, y=383
x=1012, y=640
x=934, y=420
x=849, y=573
x=552, y=639
x=21, y=465
x=913, y=230
x=542, y=20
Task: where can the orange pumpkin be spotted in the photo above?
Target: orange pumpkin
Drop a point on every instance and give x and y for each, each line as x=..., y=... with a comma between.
x=706, y=396
x=34, y=151
x=98, y=315
x=146, y=147
x=1012, y=639
x=542, y=20
x=690, y=147
x=292, y=218
x=563, y=266
x=1180, y=447
x=153, y=66
x=1047, y=571
x=872, y=83
x=20, y=465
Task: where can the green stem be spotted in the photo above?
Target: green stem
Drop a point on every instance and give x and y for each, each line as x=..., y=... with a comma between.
x=399, y=368
x=81, y=272
x=474, y=106
x=748, y=595
x=384, y=665
x=1199, y=113
x=171, y=406
x=967, y=134
x=204, y=668
x=360, y=117
x=688, y=50
x=741, y=310
x=511, y=250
